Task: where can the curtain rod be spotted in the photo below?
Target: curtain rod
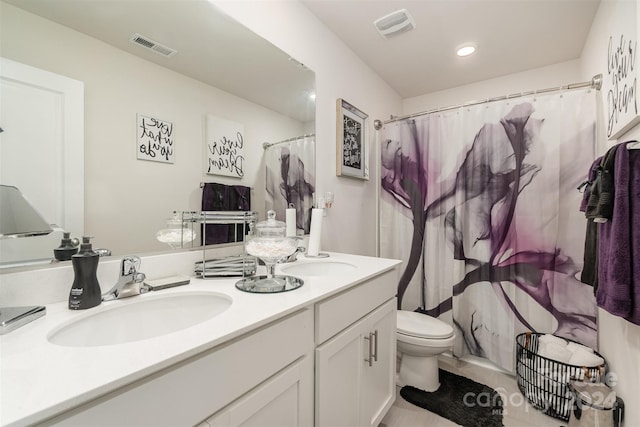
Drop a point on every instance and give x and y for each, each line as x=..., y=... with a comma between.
x=203, y=183
x=594, y=83
x=266, y=145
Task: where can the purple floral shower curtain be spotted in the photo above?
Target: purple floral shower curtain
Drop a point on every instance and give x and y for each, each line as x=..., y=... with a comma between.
x=290, y=178
x=481, y=204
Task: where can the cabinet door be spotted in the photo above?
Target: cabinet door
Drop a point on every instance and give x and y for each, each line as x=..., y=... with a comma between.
x=355, y=371
x=284, y=400
x=378, y=380
x=339, y=365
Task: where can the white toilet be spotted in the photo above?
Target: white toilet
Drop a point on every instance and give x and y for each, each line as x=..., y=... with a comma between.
x=420, y=340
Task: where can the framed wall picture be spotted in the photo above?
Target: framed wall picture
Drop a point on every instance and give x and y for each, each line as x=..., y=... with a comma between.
x=224, y=147
x=155, y=139
x=351, y=145
x=619, y=85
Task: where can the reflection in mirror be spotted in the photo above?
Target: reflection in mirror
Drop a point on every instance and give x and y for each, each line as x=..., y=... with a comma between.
x=42, y=153
x=220, y=69
x=290, y=184
x=17, y=217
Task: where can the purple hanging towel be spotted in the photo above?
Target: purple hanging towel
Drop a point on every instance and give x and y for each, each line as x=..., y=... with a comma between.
x=221, y=197
x=619, y=242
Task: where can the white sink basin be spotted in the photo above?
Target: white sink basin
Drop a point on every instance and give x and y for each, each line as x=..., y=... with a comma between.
x=317, y=268
x=146, y=317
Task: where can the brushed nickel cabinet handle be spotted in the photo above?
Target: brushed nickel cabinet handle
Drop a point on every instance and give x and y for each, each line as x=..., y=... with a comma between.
x=370, y=339
x=375, y=348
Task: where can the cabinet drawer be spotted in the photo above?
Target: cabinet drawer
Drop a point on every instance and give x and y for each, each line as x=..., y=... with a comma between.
x=340, y=311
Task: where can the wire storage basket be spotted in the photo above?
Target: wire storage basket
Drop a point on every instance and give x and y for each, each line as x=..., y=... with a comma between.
x=545, y=382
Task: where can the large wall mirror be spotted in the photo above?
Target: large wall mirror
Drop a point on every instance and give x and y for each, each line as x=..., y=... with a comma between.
x=220, y=69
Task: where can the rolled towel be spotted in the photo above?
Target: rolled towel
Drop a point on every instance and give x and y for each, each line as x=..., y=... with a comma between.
x=584, y=358
x=556, y=352
x=573, y=346
x=548, y=339
x=542, y=347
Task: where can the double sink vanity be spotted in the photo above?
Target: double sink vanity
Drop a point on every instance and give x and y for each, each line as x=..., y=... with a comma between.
x=206, y=353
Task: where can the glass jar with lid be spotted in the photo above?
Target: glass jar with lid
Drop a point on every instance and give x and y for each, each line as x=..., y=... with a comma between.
x=270, y=243
x=176, y=233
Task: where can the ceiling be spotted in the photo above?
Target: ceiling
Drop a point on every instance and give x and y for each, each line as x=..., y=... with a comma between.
x=212, y=47
x=511, y=35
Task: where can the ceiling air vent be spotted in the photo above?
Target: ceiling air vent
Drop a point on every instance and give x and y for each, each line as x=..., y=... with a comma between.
x=395, y=23
x=153, y=45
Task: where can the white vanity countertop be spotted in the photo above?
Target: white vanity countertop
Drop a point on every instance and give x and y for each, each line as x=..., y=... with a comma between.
x=39, y=379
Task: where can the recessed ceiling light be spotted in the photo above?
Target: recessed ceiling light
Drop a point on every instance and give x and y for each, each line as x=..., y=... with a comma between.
x=466, y=49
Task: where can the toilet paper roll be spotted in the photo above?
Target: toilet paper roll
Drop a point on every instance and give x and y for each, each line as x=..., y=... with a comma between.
x=315, y=233
x=291, y=222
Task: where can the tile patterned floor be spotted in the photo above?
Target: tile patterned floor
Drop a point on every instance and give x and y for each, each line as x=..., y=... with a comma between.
x=517, y=411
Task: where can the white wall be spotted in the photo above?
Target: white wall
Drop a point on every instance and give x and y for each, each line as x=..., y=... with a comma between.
x=127, y=200
x=539, y=78
x=619, y=340
x=350, y=225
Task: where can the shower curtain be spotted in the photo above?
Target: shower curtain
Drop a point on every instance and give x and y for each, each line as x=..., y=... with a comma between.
x=481, y=204
x=291, y=172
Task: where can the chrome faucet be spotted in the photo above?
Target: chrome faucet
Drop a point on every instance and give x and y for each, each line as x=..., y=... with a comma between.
x=294, y=256
x=130, y=282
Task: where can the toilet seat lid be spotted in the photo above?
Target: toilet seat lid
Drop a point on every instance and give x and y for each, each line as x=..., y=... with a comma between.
x=422, y=326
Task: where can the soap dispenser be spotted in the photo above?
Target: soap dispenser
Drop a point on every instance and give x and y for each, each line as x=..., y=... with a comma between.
x=85, y=291
x=68, y=247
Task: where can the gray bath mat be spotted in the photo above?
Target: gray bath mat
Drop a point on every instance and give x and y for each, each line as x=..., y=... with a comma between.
x=460, y=400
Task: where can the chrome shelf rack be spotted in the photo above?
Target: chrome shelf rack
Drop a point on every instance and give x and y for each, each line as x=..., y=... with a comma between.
x=239, y=265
